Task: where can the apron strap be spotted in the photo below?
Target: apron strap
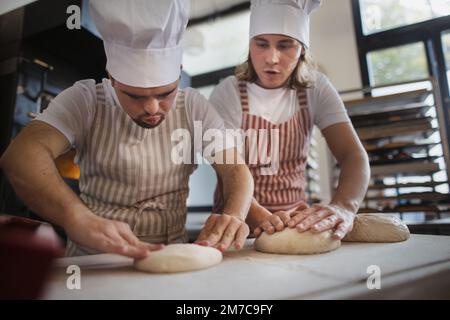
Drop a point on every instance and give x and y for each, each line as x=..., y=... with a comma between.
x=243, y=96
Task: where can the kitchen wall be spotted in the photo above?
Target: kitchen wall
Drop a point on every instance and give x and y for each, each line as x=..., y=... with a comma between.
x=334, y=45
x=334, y=48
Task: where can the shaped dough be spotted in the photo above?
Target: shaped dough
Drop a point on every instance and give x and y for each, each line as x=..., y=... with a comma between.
x=290, y=241
x=179, y=257
x=376, y=227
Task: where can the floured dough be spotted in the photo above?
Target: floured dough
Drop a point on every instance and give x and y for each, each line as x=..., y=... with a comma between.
x=290, y=241
x=376, y=227
x=179, y=257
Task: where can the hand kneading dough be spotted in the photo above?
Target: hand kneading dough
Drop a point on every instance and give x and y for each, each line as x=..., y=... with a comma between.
x=179, y=257
x=290, y=241
x=373, y=227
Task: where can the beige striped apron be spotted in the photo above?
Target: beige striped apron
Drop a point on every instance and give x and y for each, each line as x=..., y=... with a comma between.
x=284, y=190
x=127, y=174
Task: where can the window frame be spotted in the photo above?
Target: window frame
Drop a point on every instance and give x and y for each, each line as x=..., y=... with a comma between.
x=428, y=32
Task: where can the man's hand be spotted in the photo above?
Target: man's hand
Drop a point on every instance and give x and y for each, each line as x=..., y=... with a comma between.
x=323, y=217
x=277, y=221
x=223, y=231
x=107, y=235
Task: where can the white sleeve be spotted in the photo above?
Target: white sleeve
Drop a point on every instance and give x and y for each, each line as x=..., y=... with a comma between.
x=326, y=104
x=225, y=100
x=199, y=110
x=72, y=111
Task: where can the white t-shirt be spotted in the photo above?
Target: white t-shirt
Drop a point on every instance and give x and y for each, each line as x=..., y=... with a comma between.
x=279, y=105
x=72, y=112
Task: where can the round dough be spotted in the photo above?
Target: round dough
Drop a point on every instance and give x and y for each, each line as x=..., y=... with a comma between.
x=376, y=227
x=179, y=257
x=290, y=241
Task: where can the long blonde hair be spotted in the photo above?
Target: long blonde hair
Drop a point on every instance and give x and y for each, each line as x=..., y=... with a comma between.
x=303, y=76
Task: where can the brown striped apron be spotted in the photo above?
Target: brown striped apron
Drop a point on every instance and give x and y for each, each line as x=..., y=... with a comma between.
x=284, y=190
x=127, y=174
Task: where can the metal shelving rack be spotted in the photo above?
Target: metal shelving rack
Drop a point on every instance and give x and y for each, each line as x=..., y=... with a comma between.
x=403, y=134
x=313, y=192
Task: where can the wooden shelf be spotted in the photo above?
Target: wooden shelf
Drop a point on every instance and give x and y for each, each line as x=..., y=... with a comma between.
x=430, y=184
x=312, y=164
x=390, y=116
x=313, y=189
x=418, y=208
x=411, y=209
x=401, y=146
x=312, y=175
x=382, y=162
x=405, y=209
x=389, y=102
x=313, y=154
x=415, y=127
x=429, y=196
x=405, y=168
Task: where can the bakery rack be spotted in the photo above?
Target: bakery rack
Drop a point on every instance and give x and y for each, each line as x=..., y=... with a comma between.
x=404, y=136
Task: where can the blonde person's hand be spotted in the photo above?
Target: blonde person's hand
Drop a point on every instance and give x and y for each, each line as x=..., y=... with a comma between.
x=277, y=221
x=107, y=235
x=322, y=217
x=222, y=231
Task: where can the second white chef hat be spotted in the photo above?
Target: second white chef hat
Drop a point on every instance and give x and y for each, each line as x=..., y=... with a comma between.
x=286, y=17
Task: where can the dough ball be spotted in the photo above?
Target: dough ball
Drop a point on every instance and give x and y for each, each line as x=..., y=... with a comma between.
x=376, y=227
x=179, y=257
x=290, y=241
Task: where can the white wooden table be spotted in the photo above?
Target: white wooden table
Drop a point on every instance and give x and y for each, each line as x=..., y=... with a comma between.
x=248, y=274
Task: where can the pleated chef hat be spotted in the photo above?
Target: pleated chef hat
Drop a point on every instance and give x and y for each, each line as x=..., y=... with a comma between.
x=142, y=39
x=286, y=17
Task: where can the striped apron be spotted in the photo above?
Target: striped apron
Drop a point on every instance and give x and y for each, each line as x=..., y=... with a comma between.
x=284, y=190
x=127, y=174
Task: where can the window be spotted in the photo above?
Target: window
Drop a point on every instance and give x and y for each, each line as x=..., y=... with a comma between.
x=217, y=44
x=406, y=50
x=446, y=49
x=380, y=15
x=400, y=44
x=397, y=64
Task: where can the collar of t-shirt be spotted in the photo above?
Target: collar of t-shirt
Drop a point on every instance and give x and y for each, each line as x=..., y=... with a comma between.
x=275, y=105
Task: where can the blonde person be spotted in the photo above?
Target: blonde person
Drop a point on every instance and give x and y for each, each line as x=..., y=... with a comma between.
x=278, y=88
x=133, y=194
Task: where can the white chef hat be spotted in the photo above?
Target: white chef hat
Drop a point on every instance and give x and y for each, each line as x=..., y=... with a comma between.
x=286, y=17
x=142, y=39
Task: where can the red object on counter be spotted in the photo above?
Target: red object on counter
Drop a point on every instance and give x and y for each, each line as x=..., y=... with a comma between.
x=27, y=250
